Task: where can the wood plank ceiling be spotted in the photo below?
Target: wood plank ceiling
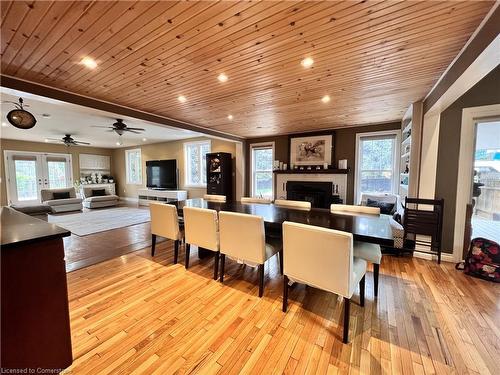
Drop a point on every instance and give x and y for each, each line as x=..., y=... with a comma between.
x=373, y=58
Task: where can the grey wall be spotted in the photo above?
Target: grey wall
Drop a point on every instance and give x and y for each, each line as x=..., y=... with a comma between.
x=485, y=92
x=344, y=141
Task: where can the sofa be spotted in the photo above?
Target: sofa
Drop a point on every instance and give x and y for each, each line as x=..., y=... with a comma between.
x=396, y=211
x=52, y=198
x=97, y=197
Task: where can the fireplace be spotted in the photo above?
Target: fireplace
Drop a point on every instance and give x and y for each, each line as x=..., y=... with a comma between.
x=318, y=193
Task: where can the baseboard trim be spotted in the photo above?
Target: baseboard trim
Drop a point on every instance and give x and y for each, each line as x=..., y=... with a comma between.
x=445, y=257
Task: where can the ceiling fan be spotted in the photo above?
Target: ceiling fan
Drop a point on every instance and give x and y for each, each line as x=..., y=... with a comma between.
x=68, y=141
x=120, y=127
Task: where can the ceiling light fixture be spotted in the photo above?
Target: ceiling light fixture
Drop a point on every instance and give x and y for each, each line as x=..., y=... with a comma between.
x=144, y=139
x=89, y=62
x=181, y=98
x=222, y=77
x=325, y=99
x=46, y=140
x=307, y=62
x=230, y=117
x=4, y=124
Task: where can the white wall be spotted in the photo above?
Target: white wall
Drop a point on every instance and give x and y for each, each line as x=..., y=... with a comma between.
x=428, y=162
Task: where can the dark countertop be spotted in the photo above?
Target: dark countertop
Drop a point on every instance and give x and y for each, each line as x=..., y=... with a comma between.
x=19, y=229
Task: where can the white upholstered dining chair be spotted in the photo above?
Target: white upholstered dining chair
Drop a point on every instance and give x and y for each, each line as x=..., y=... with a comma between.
x=255, y=200
x=247, y=246
x=328, y=264
x=300, y=205
x=214, y=198
x=364, y=250
x=165, y=223
x=201, y=229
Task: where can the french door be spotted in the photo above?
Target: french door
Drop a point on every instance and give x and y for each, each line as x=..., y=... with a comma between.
x=29, y=172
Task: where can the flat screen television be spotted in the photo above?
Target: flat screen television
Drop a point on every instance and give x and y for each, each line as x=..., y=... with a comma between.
x=161, y=174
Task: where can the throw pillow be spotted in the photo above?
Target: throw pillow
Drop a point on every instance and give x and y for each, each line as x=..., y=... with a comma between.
x=98, y=192
x=60, y=195
x=385, y=207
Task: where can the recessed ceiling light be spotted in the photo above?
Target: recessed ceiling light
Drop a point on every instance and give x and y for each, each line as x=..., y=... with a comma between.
x=307, y=62
x=230, y=117
x=181, y=98
x=46, y=140
x=325, y=99
x=222, y=77
x=4, y=124
x=118, y=144
x=89, y=62
x=144, y=139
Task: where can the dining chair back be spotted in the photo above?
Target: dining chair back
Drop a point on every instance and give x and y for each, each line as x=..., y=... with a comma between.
x=328, y=263
x=255, y=200
x=245, y=245
x=300, y=205
x=348, y=208
x=201, y=229
x=165, y=223
x=214, y=198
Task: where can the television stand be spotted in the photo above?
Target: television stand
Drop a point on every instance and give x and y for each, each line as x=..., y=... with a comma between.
x=152, y=195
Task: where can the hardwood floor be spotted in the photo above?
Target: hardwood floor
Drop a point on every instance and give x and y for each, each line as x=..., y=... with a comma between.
x=135, y=314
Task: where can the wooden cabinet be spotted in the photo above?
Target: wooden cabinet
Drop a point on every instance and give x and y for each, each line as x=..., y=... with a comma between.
x=96, y=163
x=220, y=174
x=34, y=305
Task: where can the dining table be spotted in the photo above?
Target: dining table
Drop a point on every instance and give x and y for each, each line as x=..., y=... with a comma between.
x=364, y=227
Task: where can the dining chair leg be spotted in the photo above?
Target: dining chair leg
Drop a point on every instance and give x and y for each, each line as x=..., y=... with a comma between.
x=188, y=248
x=261, y=280
x=376, y=269
x=285, y=293
x=362, y=284
x=153, y=244
x=216, y=265
x=280, y=256
x=222, y=266
x=176, y=251
x=345, y=338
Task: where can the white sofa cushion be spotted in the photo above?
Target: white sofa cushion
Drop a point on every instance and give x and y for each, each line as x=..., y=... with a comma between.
x=102, y=198
x=61, y=202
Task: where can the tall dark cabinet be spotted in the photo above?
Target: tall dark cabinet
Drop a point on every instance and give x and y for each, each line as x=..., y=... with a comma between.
x=220, y=174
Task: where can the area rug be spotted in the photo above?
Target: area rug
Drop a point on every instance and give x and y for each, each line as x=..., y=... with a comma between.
x=100, y=220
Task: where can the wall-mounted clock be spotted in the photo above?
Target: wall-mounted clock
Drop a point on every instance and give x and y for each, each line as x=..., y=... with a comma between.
x=21, y=118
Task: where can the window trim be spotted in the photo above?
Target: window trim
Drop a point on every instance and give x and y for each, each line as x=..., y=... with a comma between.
x=186, y=162
x=252, y=171
x=396, y=156
x=127, y=175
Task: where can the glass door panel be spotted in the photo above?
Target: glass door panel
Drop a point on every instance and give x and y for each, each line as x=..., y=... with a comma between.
x=26, y=181
x=29, y=172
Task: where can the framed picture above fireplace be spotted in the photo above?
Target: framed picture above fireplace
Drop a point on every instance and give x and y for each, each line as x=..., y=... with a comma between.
x=311, y=150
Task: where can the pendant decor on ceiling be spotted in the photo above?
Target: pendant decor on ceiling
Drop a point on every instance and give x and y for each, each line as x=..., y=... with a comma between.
x=21, y=118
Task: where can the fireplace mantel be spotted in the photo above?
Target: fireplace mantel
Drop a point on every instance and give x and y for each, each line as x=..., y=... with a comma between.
x=322, y=175
x=312, y=171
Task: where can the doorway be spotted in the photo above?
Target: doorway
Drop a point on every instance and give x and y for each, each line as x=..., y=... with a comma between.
x=486, y=181
x=29, y=172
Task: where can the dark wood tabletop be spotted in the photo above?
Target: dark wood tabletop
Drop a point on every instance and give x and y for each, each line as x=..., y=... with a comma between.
x=366, y=228
x=19, y=228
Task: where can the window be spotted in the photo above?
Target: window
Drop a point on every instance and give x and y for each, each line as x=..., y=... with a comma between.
x=377, y=163
x=133, y=166
x=262, y=169
x=195, y=157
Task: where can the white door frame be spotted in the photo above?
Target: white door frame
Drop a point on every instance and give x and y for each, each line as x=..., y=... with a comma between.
x=397, y=157
x=470, y=117
x=42, y=173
